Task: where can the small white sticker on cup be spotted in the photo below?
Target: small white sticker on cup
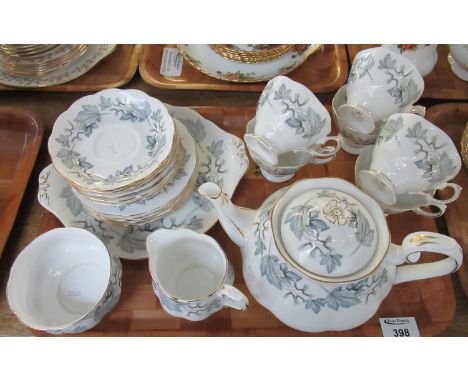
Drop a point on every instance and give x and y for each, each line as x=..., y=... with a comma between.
x=399, y=327
x=172, y=62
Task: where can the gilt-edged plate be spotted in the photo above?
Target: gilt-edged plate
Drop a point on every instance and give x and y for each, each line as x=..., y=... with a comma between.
x=223, y=160
x=82, y=64
x=206, y=60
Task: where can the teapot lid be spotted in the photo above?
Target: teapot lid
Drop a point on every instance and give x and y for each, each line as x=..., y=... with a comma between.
x=330, y=229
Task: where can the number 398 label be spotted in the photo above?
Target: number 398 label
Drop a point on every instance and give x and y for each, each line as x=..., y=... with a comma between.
x=399, y=327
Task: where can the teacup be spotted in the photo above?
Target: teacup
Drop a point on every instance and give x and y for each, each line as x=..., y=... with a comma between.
x=289, y=119
x=458, y=60
x=423, y=56
x=411, y=155
x=423, y=203
x=64, y=281
x=290, y=162
x=352, y=141
x=191, y=275
x=380, y=83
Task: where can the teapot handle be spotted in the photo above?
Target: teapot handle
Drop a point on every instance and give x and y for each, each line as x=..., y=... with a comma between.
x=233, y=297
x=417, y=242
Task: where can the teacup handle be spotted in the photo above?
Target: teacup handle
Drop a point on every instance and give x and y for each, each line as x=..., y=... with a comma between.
x=233, y=297
x=410, y=251
x=440, y=206
x=456, y=193
x=325, y=153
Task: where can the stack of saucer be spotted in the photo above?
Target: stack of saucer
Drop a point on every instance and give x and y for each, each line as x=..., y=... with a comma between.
x=127, y=161
x=38, y=60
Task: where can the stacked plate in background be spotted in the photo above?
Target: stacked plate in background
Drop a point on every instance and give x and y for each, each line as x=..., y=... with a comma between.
x=39, y=65
x=37, y=60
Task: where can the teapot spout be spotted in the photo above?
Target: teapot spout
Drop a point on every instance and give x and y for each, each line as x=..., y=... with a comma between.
x=236, y=221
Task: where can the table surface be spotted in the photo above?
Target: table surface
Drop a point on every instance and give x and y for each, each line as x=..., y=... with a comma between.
x=48, y=105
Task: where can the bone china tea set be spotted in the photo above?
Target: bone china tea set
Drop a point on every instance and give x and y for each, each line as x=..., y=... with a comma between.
x=133, y=178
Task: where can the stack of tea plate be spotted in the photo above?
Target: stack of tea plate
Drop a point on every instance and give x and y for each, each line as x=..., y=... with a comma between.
x=38, y=65
x=37, y=60
x=119, y=151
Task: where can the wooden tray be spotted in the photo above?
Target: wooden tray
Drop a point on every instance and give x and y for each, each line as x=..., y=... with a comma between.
x=113, y=71
x=139, y=313
x=452, y=117
x=324, y=71
x=441, y=83
x=20, y=139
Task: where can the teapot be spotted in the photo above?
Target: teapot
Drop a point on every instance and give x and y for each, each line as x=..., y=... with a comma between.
x=318, y=254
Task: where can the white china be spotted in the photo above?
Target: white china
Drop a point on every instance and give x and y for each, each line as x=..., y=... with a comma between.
x=352, y=141
x=82, y=64
x=423, y=56
x=222, y=158
x=111, y=138
x=289, y=118
x=318, y=254
x=411, y=155
x=154, y=206
x=64, y=281
x=206, y=60
x=458, y=60
x=191, y=274
x=289, y=163
x=420, y=203
x=380, y=84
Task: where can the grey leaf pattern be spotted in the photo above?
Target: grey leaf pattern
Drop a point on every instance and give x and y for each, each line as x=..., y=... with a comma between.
x=364, y=234
x=404, y=89
x=72, y=201
x=390, y=129
x=361, y=67
x=330, y=260
x=435, y=161
x=296, y=221
x=269, y=268
x=196, y=129
x=341, y=298
x=315, y=304
x=306, y=122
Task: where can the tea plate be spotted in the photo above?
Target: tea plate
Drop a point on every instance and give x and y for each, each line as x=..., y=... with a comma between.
x=84, y=63
x=226, y=163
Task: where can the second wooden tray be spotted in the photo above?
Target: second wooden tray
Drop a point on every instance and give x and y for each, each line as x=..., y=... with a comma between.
x=20, y=138
x=431, y=302
x=452, y=118
x=324, y=71
x=113, y=71
x=441, y=83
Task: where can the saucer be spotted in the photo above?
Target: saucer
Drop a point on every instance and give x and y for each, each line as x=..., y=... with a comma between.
x=404, y=202
x=111, y=139
x=222, y=160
